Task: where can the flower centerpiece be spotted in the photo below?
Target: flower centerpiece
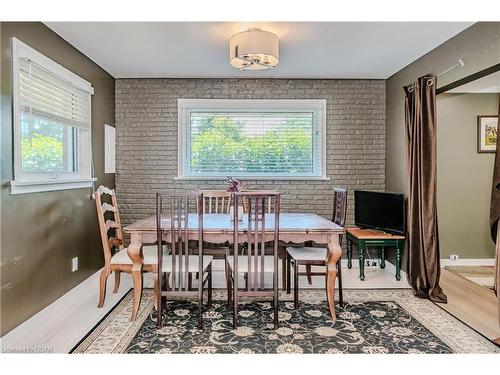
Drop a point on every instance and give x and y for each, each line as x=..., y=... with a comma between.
x=233, y=186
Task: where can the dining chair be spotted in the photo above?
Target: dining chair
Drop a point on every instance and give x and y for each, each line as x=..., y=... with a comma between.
x=216, y=201
x=175, y=270
x=261, y=228
x=316, y=256
x=282, y=254
x=116, y=258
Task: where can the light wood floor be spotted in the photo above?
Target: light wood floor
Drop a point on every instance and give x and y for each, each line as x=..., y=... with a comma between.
x=472, y=304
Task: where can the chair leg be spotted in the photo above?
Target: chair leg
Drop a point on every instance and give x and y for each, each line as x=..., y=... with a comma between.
x=235, y=307
x=228, y=284
x=308, y=272
x=102, y=286
x=155, y=290
x=117, y=280
x=209, y=286
x=235, y=299
x=200, y=305
x=295, y=285
x=339, y=276
x=158, y=284
x=275, y=305
x=288, y=265
x=283, y=269
x=229, y=296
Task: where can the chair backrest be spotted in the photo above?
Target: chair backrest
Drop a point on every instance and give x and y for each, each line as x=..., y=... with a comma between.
x=184, y=214
x=216, y=201
x=257, y=220
x=269, y=205
x=105, y=210
x=339, y=206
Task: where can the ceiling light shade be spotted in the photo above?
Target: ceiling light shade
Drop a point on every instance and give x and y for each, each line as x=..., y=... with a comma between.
x=254, y=49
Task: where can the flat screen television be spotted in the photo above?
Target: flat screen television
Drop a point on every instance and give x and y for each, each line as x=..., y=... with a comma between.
x=380, y=211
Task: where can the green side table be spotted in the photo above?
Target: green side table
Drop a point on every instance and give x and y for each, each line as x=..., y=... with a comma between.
x=364, y=238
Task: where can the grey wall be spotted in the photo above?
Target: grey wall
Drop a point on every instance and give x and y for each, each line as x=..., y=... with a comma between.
x=146, y=122
x=41, y=232
x=479, y=47
x=464, y=176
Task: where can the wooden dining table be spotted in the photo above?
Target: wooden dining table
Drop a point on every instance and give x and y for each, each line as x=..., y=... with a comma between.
x=218, y=228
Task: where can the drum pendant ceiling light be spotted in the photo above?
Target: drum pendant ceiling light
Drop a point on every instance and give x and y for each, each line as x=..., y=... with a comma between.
x=254, y=49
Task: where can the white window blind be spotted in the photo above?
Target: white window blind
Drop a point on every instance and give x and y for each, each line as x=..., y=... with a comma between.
x=252, y=138
x=52, y=124
x=44, y=94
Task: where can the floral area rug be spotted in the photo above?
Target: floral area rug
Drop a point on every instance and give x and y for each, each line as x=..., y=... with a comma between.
x=372, y=321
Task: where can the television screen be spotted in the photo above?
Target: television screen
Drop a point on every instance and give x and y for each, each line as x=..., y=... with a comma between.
x=381, y=211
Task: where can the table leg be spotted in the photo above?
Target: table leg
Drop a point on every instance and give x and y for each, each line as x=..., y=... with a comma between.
x=398, y=262
x=361, y=246
x=349, y=253
x=134, y=251
x=334, y=254
x=339, y=274
x=382, y=257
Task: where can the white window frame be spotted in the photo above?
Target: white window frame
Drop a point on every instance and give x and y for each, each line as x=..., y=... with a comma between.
x=186, y=106
x=28, y=182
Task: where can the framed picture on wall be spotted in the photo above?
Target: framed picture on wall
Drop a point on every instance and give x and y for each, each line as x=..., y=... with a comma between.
x=487, y=130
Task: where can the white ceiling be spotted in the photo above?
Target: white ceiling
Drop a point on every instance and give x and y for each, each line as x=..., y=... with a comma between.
x=307, y=49
x=485, y=85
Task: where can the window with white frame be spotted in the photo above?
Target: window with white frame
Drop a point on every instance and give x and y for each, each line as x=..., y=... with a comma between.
x=52, y=124
x=252, y=138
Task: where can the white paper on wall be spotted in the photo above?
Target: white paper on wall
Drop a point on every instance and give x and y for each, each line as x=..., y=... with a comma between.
x=109, y=149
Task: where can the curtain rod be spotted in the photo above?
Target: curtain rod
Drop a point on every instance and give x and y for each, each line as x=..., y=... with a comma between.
x=460, y=63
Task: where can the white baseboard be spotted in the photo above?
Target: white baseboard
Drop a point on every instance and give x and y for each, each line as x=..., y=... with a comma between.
x=468, y=262
x=59, y=326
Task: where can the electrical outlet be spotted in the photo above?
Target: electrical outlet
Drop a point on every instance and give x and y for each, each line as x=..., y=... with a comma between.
x=74, y=264
x=454, y=257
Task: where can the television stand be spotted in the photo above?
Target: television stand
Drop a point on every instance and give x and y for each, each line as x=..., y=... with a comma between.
x=364, y=238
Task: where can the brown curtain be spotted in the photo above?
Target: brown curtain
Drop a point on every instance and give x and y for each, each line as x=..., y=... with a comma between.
x=494, y=216
x=422, y=234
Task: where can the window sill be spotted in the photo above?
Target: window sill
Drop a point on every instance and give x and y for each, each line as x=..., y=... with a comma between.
x=252, y=178
x=18, y=187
